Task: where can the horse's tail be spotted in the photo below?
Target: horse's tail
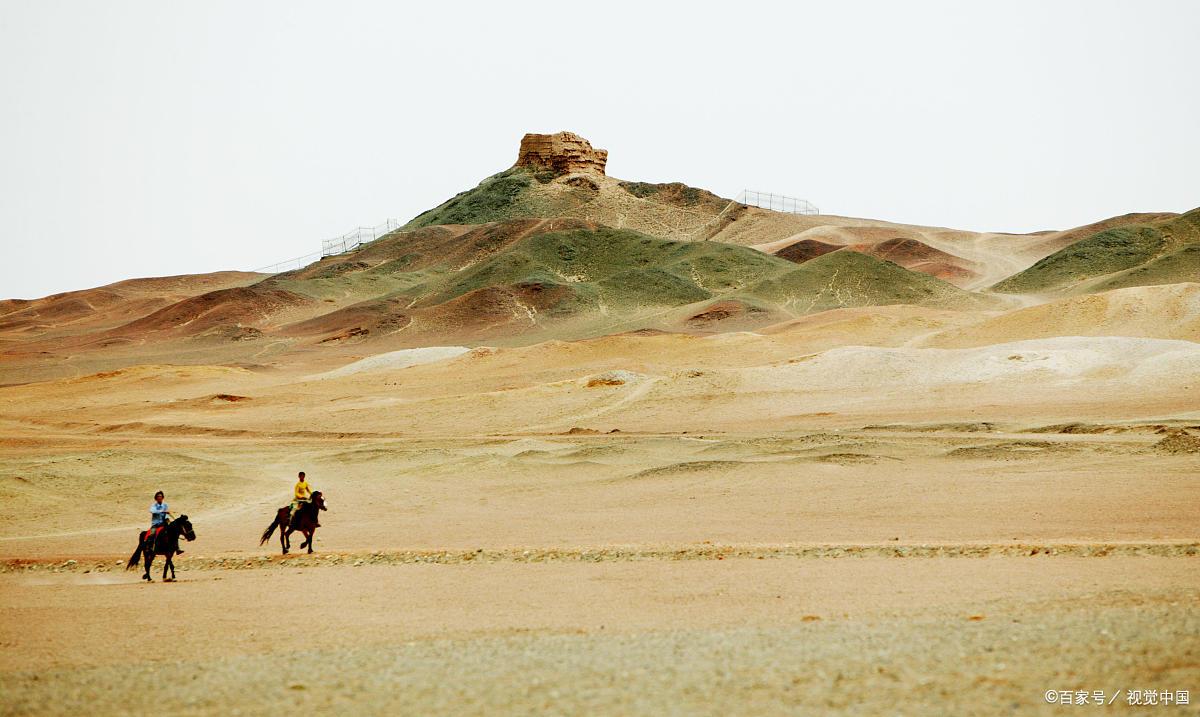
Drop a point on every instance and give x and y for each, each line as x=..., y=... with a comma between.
x=137, y=554
x=270, y=529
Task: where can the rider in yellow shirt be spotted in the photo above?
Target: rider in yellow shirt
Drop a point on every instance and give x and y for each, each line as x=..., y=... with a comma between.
x=302, y=493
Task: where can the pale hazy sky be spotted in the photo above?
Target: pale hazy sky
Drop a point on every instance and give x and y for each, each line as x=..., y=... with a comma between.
x=154, y=138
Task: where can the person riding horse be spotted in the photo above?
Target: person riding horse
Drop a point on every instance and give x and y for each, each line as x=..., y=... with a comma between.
x=299, y=515
x=302, y=494
x=160, y=516
x=162, y=538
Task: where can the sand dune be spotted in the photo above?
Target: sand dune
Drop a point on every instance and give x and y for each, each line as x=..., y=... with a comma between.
x=398, y=359
x=1164, y=312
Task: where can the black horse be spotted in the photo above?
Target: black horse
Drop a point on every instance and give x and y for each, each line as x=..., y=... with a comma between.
x=305, y=520
x=165, y=543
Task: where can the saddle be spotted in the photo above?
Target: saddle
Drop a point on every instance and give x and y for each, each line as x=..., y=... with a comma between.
x=152, y=534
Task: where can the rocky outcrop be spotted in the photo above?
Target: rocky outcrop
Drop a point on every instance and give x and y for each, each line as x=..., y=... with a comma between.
x=561, y=153
x=1178, y=441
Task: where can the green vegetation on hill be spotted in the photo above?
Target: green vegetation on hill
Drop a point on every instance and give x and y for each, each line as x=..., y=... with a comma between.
x=526, y=279
x=519, y=192
x=512, y=194
x=525, y=273
x=621, y=268
x=616, y=267
x=849, y=278
x=1173, y=268
x=1159, y=252
x=497, y=197
x=675, y=193
x=1104, y=253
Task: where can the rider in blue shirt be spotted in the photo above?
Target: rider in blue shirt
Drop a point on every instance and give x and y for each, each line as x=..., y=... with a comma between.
x=159, y=513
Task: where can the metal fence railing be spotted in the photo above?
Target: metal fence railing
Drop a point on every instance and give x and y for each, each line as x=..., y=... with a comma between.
x=351, y=240
x=776, y=202
x=288, y=264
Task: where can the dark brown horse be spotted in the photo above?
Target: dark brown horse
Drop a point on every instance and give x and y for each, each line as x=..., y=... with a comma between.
x=165, y=543
x=283, y=518
x=305, y=520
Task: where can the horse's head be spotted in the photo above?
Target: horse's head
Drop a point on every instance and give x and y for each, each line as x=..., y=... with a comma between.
x=185, y=527
x=318, y=500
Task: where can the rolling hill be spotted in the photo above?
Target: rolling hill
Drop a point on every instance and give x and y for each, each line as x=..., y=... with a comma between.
x=523, y=276
x=1169, y=311
x=1162, y=251
x=87, y=310
x=553, y=249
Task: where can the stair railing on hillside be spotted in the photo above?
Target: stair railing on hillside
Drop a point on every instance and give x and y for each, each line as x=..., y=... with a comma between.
x=349, y=241
x=762, y=200
x=776, y=202
x=288, y=264
x=352, y=240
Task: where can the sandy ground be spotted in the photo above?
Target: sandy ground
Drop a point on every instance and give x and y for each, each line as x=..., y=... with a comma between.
x=615, y=574
x=596, y=491
x=872, y=511
x=846, y=636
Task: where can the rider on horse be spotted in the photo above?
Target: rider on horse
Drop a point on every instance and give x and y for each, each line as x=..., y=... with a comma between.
x=159, y=516
x=298, y=516
x=302, y=494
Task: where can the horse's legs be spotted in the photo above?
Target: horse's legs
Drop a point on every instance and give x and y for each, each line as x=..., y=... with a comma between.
x=148, y=555
x=309, y=539
x=166, y=564
x=284, y=543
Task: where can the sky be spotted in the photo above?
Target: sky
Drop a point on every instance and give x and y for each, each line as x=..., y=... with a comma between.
x=160, y=138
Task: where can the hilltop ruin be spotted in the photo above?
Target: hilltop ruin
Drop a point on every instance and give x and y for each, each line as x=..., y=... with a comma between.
x=561, y=153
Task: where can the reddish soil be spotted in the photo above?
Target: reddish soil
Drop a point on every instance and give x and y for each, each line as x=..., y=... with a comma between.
x=919, y=256
x=243, y=305
x=806, y=249
x=107, y=306
x=722, y=312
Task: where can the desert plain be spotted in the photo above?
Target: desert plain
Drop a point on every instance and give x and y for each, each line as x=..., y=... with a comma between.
x=606, y=447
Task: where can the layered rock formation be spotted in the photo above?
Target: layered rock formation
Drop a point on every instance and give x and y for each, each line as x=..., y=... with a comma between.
x=561, y=153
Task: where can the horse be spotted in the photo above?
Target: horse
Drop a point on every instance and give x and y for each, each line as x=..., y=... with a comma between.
x=305, y=520
x=166, y=543
x=283, y=517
